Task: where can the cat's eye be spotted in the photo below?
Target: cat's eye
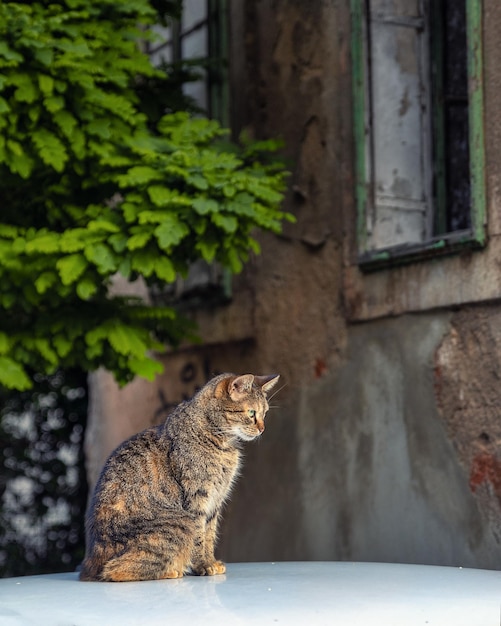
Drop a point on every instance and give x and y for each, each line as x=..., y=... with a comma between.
x=252, y=413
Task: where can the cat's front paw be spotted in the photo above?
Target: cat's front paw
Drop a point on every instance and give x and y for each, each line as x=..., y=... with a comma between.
x=210, y=569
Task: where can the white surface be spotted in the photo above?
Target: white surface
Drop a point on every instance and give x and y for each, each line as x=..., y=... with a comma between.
x=340, y=594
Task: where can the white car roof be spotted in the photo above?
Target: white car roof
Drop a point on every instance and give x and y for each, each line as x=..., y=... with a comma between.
x=306, y=593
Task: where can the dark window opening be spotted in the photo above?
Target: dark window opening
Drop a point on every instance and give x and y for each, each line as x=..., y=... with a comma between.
x=450, y=69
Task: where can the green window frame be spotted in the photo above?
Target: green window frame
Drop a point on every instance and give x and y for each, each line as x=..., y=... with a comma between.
x=439, y=240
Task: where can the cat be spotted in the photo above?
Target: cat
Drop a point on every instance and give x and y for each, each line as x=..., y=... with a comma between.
x=156, y=506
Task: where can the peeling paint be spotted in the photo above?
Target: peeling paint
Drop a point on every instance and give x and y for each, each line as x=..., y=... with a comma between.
x=486, y=468
x=320, y=367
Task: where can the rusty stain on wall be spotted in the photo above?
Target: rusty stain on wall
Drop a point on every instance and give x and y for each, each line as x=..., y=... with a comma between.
x=320, y=367
x=486, y=468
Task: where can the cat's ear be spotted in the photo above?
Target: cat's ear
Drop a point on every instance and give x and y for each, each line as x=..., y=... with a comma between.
x=240, y=386
x=266, y=382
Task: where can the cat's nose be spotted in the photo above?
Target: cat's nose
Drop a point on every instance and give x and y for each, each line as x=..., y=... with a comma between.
x=260, y=426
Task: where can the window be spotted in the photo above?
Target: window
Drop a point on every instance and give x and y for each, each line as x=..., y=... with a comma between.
x=418, y=128
x=195, y=45
x=198, y=40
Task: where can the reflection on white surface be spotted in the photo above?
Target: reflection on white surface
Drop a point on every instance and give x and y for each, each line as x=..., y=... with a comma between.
x=344, y=594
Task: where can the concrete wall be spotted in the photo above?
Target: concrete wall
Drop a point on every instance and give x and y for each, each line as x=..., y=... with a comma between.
x=386, y=441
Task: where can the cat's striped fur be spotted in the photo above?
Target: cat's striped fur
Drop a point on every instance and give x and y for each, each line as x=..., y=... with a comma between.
x=155, y=510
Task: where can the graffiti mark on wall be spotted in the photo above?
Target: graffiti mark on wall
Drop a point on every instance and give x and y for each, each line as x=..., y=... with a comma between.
x=192, y=375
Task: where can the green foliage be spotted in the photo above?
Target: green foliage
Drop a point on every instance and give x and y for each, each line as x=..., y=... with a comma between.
x=92, y=187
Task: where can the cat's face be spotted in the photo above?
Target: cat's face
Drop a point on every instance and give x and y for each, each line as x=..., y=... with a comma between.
x=245, y=404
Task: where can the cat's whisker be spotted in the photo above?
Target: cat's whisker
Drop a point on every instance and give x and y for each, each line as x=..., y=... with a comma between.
x=277, y=391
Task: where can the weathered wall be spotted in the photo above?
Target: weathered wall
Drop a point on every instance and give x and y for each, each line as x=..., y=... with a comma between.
x=360, y=466
x=386, y=443
x=467, y=392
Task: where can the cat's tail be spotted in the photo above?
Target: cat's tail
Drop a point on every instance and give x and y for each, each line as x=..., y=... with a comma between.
x=93, y=563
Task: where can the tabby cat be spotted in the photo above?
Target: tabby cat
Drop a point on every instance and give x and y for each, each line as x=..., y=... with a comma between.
x=155, y=510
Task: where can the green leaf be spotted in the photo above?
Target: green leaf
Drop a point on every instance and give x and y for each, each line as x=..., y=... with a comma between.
x=7, y=230
x=71, y=267
x=19, y=245
x=254, y=245
x=139, y=240
x=208, y=249
x=198, y=181
x=152, y=217
x=143, y=261
x=62, y=345
x=78, y=144
x=34, y=113
x=103, y=225
x=241, y=205
x=54, y=104
x=146, y=368
x=21, y=164
x=44, y=348
x=8, y=53
x=45, y=281
x=228, y=223
x=4, y=106
x=94, y=352
x=73, y=240
x=100, y=127
x=102, y=257
x=86, y=288
x=139, y=175
x=117, y=104
x=170, y=232
x=67, y=123
x=96, y=335
x=130, y=211
x=118, y=242
x=77, y=48
x=125, y=267
x=229, y=190
x=205, y=205
x=26, y=90
x=13, y=375
x=162, y=196
x=51, y=149
x=45, y=243
x=15, y=147
x=44, y=55
x=46, y=84
x=263, y=191
x=234, y=261
x=164, y=269
x=126, y=340
x=4, y=343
